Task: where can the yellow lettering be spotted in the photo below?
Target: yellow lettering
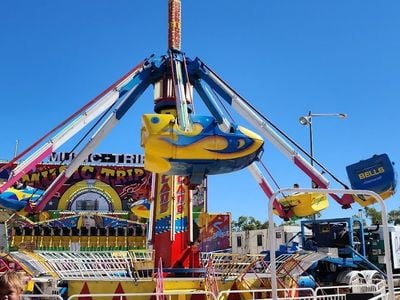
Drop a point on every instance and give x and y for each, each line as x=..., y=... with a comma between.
x=107, y=172
x=371, y=173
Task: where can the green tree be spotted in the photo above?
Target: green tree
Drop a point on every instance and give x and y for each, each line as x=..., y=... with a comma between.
x=245, y=223
x=394, y=216
x=291, y=221
x=364, y=222
x=373, y=214
x=376, y=217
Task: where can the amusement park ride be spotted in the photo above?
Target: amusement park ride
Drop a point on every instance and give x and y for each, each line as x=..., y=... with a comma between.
x=181, y=149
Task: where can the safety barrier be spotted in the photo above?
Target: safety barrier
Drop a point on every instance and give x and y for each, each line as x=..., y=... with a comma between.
x=165, y=295
x=321, y=293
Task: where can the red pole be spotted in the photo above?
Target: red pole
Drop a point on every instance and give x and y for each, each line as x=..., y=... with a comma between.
x=174, y=24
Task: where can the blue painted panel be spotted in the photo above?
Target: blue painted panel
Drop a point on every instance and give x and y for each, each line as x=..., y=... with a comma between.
x=375, y=174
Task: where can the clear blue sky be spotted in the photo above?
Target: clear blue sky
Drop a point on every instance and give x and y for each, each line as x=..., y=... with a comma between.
x=285, y=57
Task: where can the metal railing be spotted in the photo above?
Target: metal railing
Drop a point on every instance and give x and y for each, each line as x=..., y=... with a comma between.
x=320, y=293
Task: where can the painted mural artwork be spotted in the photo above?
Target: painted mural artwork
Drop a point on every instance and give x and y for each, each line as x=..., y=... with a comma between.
x=92, y=186
x=215, y=232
